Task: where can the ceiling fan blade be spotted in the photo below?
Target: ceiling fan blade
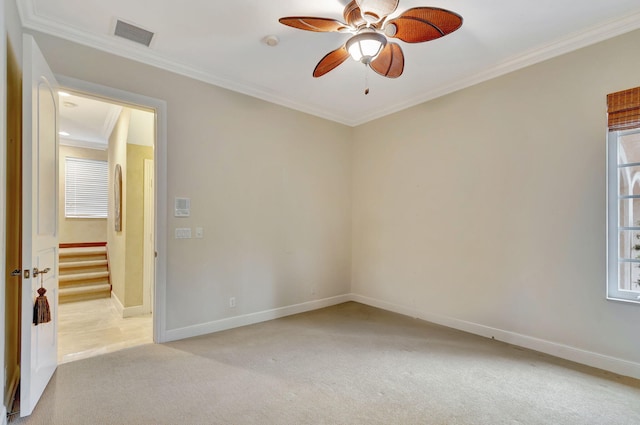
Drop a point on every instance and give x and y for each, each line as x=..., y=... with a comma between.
x=352, y=15
x=309, y=23
x=390, y=62
x=377, y=10
x=423, y=24
x=331, y=61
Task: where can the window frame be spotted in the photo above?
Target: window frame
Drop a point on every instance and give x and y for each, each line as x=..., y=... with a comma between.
x=73, y=212
x=614, y=259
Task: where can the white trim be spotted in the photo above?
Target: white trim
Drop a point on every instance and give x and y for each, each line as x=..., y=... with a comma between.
x=160, y=160
x=82, y=144
x=252, y=318
x=110, y=122
x=144, y=55
x=117, y=304
x=589, y=358
x=559, y=47
x=123, y=311
x=150, y=57
x=3, y=204
x=132, y=311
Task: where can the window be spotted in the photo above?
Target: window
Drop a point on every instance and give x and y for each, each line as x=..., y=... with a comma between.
x=86, y=194
x=623, y=196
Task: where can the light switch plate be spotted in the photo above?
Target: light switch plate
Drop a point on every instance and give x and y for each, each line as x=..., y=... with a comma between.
x=183, y=233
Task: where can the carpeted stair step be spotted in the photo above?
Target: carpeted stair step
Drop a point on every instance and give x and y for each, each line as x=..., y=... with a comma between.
x=84, y=292
x=82, y=254
x=84, y=273
x=89, y=266
x=76, y=278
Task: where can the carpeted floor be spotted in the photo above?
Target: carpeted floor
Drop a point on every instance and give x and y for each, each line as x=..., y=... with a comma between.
x=348, y=364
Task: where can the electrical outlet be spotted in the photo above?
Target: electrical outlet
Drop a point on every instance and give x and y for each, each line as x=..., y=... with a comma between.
x=232, y=302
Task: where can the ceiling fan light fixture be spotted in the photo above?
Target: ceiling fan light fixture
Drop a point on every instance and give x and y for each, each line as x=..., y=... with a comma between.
x=365, y=46
x=374, y=31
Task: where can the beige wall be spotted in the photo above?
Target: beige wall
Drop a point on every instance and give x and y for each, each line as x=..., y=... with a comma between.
x=126, y=246
x=76, y=230
x=134, y=245
x=487, y=206
x=142, y=128
x=270, y=186
x=116, y=241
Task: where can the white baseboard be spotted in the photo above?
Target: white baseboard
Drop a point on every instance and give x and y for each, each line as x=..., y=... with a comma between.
x=600, y=361
x=116, y=303
x=250, y=319
x=589, y=358
x=3, y=412
x=126, y=311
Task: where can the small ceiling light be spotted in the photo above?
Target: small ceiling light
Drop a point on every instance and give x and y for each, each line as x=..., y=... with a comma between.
x=365, y=46
x=63, y=94
x=69, y=104
x=63, y=133
x=271, y=40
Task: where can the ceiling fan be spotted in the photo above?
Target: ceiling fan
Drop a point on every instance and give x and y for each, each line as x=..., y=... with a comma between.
x=369, y=23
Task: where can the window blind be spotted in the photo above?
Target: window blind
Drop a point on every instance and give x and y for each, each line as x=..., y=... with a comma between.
x=86, y=188
x=623, y=109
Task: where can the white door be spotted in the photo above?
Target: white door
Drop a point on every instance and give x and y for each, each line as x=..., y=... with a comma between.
x=39, y=343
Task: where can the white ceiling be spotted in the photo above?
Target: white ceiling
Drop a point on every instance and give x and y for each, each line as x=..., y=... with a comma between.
x=220, y=42
x=86, y=122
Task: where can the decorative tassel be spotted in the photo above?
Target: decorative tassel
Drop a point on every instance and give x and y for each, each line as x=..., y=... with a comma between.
x=41, y=310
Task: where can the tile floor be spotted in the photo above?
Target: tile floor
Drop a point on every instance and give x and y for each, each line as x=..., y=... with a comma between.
x=91, y=328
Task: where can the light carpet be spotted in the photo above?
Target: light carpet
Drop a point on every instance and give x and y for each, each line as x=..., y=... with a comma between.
x=347, y=364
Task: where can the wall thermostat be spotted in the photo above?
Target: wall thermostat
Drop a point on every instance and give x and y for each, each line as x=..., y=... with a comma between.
x=182, y=207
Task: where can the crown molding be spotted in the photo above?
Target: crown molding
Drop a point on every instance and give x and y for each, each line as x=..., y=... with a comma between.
x=128, y=50
x=575, y=41
x=593, y=35
x=80, y=143
x=110, y=121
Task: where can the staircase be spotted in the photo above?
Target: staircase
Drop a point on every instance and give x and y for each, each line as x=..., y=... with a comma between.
x=84, y=272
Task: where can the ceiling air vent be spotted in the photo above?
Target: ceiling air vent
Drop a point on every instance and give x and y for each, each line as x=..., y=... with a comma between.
x=133, y=33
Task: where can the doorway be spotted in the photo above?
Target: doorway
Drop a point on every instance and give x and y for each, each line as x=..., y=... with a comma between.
x=106, y=228
x=26, y=359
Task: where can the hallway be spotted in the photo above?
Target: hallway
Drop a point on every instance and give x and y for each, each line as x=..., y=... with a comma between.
x=90, y=328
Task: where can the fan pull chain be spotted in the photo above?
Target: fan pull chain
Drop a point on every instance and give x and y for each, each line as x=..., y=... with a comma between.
x=366, y=80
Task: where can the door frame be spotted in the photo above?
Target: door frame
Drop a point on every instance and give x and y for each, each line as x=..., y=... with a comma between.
x=148, y=249
x=3, y=142
x=110, y=94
